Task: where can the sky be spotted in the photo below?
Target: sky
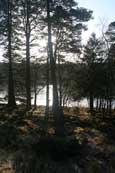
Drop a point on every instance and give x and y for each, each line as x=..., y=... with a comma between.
x=103, y=13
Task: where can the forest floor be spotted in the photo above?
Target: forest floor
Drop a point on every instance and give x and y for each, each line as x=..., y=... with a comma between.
x=88, y=147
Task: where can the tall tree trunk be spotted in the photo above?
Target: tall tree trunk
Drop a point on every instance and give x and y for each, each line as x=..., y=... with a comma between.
x=110, y=106
x=111, y=83
x=11, y=95
x=35, y=99
x=47, y=88
x=35, y=87
x=97, y=104
x=91, y=103
x=28, y=78
x=60, y=82
x=58, y=113
x=111, y=91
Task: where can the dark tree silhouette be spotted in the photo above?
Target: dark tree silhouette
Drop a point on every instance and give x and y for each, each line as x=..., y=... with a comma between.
x=11, y=95
x=58, y=113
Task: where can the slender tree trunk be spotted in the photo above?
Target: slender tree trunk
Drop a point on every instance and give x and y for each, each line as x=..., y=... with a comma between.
x=58, y=113
x=11, y=95
x=97, y=104
x=107, y=99
x=64, y=97
x=110, y=106
x=107, y=105
x=91, y=103
x=100, y=104
x=28, y=78
x=111, y=82
x=35, y=100
x=47, y=88
x=35, y=87
x=103, y=110
x=110, y=90
x=60, y=82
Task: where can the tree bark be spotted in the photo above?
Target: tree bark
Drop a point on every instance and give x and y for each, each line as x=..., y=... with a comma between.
x=110, y=106
x=47, y=88
x=28, y=77
x=57, y=111
x=60, y=82
x=11, y=95
x=35, y=87
x=91, y=103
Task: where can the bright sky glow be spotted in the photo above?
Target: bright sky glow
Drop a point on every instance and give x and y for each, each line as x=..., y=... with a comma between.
x=103, y=12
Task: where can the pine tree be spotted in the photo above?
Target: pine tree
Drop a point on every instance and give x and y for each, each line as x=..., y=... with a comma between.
x=56, y=109
x=64, y=24
x=92, y=56
x=30, y=12
x=7, y=29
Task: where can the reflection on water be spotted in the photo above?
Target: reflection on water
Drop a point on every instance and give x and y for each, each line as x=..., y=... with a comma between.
x=41, y=99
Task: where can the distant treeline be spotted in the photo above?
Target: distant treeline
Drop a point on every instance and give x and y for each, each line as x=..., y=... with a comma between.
x=77, y=81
